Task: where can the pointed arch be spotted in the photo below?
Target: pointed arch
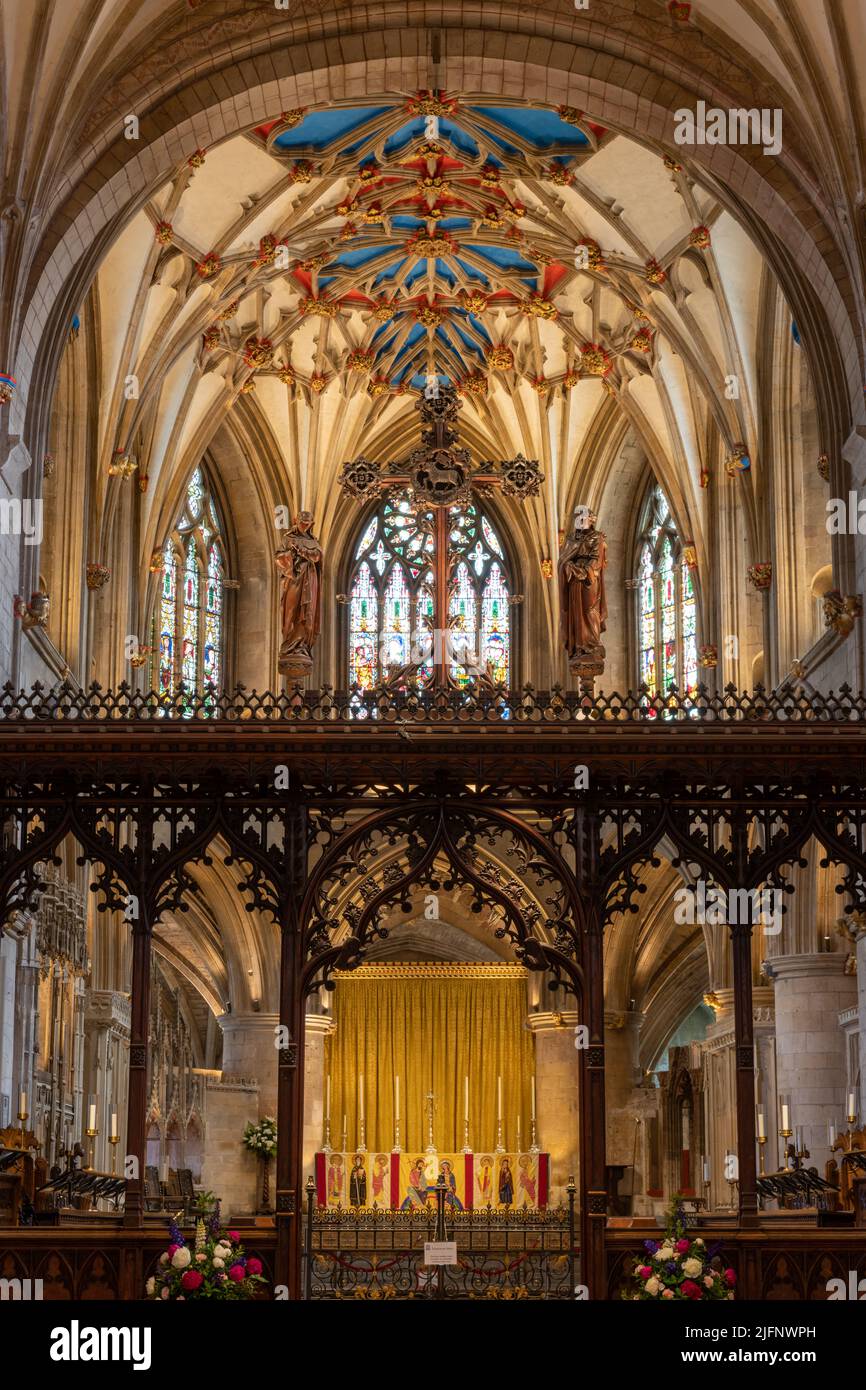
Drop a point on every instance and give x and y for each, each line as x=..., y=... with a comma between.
x=666, y=617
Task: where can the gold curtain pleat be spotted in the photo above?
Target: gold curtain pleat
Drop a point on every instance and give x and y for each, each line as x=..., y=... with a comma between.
x=433, y=1028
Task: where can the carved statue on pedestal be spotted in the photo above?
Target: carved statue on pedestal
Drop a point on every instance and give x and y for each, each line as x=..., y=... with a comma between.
x=582, y=602
x=299, y=561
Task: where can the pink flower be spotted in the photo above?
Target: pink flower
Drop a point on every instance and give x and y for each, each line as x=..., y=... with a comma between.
x=201, y=1258
x=236, y=1273
x=254, y=1266
x=643, y=1272
x=233, y=1235
x=163, y=1293
x=192, y=1279
x=682, y=1246
x=668, y=1293
x=730, y=1277
x=171, y=1250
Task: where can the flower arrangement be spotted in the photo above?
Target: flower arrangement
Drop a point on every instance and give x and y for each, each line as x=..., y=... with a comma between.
x=678, y=1267
x=216, y=1267
x=261, y=1138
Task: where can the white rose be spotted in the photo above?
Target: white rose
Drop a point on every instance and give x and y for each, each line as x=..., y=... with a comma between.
x=698, y=1241
x=181, y=1258
x=652, y=1285
x=150, y=1286
x=692, y=1268
x=218, y=1263
x=163, y=1259
x=665, y=1253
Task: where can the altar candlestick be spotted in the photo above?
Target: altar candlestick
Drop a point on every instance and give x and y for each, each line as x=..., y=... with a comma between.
x=499, y=1098
x=785, y=1126
x=113, y=1127
x=762, y=1134
x=92, y=1115
x=852, y=1113
x=328, y=1098
x=396, y=1097
x=831, y=1133
x=518, y=1134
x=532, y=1115
x=466, y=1099
x=362, y=1138
x=706, y=1170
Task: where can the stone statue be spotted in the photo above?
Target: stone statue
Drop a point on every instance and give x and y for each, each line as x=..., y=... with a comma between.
x=582, y=602
x=299, y=561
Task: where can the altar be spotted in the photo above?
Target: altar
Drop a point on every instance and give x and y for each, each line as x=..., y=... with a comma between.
x=406, y=1181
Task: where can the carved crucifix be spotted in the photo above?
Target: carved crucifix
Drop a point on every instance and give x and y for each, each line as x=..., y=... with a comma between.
x=439, y=475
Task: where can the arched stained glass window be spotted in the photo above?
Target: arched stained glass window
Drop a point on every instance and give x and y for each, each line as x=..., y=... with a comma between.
x=667, y=612
x=391, y=595
x=190, y=615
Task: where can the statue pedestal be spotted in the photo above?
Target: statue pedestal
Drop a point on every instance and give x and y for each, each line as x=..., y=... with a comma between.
x=587, y=666
x=296, y=665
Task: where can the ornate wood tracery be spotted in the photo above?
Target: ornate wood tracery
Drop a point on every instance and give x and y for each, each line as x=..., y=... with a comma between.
x=331, y=817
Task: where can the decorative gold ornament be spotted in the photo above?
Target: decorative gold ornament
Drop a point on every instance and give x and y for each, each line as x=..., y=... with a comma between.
x=163, y=233
x=841, y=611
x=289, y=119
x=705, y=475
x=737, y=461
x=258, y=352
x=316, y=262
x=287, y=375
x=378, y=386
x=672, y=165
x=156, y=562
x=700, y=238
x=473, y=301
x=211, y=265
x=436, y=245
x=654, y=272
x=432, y=104
x=595, y=360
x=319, y=308
x=7, y=388
x=708, y=656
x=492, y=218
x=143, y=481
x=248, y=387
x=570, y=115
x=559, y=174
x=513, y=211
x=540, y=308
x=679, y=10
x=229, y=311
x=302, y=171
x=318, y=384
x=96, y=575
x=823, y=466
x=139, y=657
x=430, y=147
x=570, y=379
x=368, y=173
x=49, y=463
x=540, y=257
x=348, y=209
x=360, y=360
x=196, y=159
x=594, y=257
x=547, y=569
x=642, y=340
x=429, y=316
x=349, y=232
x=760, y=575
x=473, y=385
x=385, y=310
x=500, y=357
x=267, y=250
x=211, y=338
x=540, y=385
x=372, y=214
x=690, y=556
x=490, y=176
x=122, y=464
x=430, y=182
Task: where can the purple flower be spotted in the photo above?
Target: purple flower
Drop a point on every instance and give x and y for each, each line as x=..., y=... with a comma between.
x=671, y=1266
x=651, y=1245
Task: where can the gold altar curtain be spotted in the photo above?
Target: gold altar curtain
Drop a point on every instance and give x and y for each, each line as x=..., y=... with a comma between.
x=431, y=1025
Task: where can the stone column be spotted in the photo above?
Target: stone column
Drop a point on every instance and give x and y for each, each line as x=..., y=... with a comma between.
x=720, y=1086
x=853, y=928
x=104, y=1068
x=811, y=991
x=250, y=1052
x=621, y=1075
x=557, y=1097
x=318, y=1028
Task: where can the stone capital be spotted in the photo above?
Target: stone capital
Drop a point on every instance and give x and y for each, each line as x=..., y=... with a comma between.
x=548, y=1022
x=811, y=965
x=319, y=1025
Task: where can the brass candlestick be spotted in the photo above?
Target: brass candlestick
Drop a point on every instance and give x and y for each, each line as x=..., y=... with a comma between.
x=762, y=1143
x=785, y=1134
x=327, y=1144
x=114, y=1140
x=91, y=1134
x=467, y=1148
x=23, y=1117
x=396, y=1149
x=533, y=1137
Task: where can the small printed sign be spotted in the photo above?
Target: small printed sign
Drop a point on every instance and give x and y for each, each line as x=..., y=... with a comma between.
x=440, y=1252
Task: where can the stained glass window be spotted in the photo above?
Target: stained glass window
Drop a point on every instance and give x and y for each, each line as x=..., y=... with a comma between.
x=190, y=617
x=391, y=595
x=667, y=609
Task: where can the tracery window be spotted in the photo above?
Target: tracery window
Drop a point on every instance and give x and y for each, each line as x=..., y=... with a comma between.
x=189, y=621
x=667, y=611
x=391, y=594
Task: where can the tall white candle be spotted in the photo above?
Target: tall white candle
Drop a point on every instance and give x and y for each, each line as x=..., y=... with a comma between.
x=499, y=1097
x=851, y=1111
x=396, y=1097
x=762, y=1134
x=785, y=1124
x=92, y=1120
x=22, y=1103
x=113, y=1131
x=466, y=1098
x=831, y=1133
x=328, y=1098
x=706, y=1170
x=361, y=1098
x=532, y=1112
